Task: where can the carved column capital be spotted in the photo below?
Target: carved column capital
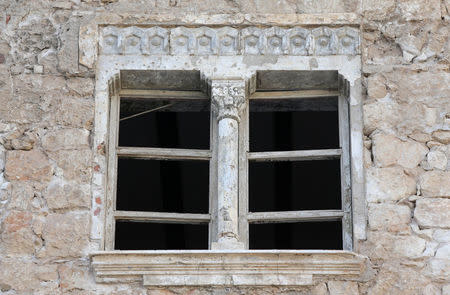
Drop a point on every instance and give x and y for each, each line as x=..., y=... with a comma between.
x=228, y=98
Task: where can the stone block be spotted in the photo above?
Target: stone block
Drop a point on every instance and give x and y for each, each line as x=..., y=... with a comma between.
x=83, y=87
x=388, y=184
x=68, y=53
x=75, y=164
x=77, y=113
x=443, y=136
x=435, y=184
x=446, y=289
x=439, y=268
x=66, y=235
x=409, y=246
x=343, y=288
x=380, y=115
x=389, y=217
x=74, y=276
x=27, y=276
x=433, y=213
x=378, y=10
x=376, y=87
x=63, y=195
x=419, y=9
x=68, y=138
x=437, y=160
x=388, y=150
x=28, y=165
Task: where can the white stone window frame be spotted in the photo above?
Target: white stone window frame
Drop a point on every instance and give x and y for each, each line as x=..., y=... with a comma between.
x=299, y=267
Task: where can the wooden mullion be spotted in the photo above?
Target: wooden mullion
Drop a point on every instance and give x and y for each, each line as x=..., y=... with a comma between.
x=344, y=140
x=295, y=94
x=163, y=153
x=163, y=94
x=299, y=155
x=162, y=217
x=294, y=216
x=112, y=163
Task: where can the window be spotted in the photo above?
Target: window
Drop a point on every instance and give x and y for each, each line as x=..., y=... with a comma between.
x=245, y=163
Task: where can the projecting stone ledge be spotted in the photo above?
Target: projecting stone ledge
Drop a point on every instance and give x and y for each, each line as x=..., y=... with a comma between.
x=225, y=268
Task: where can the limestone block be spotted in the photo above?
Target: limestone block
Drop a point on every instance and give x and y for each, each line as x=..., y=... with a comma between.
x=22, y=194
x=28, y=276
x=68, y=53
x=419, y=9
x=388, y=150
x=439, y=268
x=442, y=136
x=77, y=113
x=442, y=235
x=446, y=289
x=17, y=237
x=380, y=115
x=409, y=246
x=378, y=10
x=68, y=138
x=63, y=195
x=75, y=164
x=84, y=87
x=437, y=159
x=28, y=165
x=66, y=235
x=376, y=86
x=431, y=289
x=389, y=217
x=343, y=288
x=388, y=184
x=433, y=213
x=320, y=289
x=74, y=276
x=435, y=184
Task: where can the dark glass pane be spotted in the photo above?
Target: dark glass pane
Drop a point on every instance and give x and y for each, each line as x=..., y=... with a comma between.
x=172, y=124
x=160, y=236
x=297, y=185
x=293, y=124
x=306, y=235
x=163, y=186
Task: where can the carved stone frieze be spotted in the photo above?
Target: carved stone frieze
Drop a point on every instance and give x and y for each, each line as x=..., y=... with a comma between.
x=229, y=41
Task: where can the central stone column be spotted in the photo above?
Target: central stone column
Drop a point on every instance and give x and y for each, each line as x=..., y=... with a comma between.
x=228, y=100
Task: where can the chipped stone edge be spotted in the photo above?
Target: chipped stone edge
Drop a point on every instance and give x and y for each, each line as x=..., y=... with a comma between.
x=89, y=31
x=225, y=268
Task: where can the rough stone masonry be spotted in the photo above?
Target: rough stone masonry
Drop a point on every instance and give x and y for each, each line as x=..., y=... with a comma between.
x=46, y=149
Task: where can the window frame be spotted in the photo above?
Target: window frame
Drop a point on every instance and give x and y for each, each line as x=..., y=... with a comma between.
x=244, y=156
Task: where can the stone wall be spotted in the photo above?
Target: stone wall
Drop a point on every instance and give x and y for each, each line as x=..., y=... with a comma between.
x=46, y=149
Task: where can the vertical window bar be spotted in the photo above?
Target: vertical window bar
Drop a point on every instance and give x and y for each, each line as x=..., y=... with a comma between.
x=344, y=141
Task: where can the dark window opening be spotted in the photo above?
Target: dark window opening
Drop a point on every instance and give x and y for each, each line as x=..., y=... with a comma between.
x=293, y=124
x=297, y=185
x=164, y=123
x=163, y=185
x=306, y=235
x=160, y=236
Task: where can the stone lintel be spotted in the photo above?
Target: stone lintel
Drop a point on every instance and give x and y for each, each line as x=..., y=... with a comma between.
x=225, y=268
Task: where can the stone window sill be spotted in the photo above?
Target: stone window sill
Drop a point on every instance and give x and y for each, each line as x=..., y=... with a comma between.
x=225, y=268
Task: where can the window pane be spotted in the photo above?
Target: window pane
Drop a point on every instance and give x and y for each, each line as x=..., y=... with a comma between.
x=163, y=186
x=160, y=236
x=172, y=124
x=293, y=124
x=306, y=235
x=297, y=185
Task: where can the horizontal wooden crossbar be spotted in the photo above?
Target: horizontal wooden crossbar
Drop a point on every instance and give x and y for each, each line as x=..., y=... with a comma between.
x=162, y=217
x=163, y=153
x=294, y=216
x=296, y=155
